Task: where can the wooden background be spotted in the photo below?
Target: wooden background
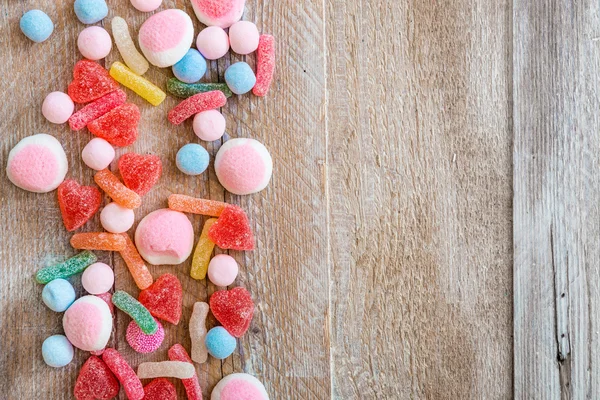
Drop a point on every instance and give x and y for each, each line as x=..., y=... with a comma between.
x=432, y=227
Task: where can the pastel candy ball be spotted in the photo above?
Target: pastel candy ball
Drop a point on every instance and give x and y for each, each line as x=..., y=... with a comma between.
x=98, y=278
x=219, y=343
x=191, y=68
x=165, y=237
x=94, y=43
x=58, y=295
x=213, y=42
x=146, y=5
x=98, y=154
x=222, y=13
x=57, y=107
x=90, y=11
x=141, y=342
x=243, y=37
x=239, y=386
x=116, y=218
x=37, y=163
x=243, y=166
x=57, y=351
x=209, y=125
x=240, y=78
x=166, y=37
x=88, y=323
x=36, y=25
x=192, y=159
x=222, y=270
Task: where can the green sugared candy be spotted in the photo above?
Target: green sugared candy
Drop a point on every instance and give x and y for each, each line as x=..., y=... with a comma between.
x=185, y=90
x=72, y=266
x=140, y=314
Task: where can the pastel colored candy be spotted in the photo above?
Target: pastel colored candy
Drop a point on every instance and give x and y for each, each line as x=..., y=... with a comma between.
x=36, y=25
x=240, y=78
x=192, y=385
x=219, y=343
x=98, y=278
x=77, y=203
x=222, y=270
x=191, y=68
x=141, y=342
x=90, y=11
x=196, y=104
x=37, y=163
x=72, y=266
x=160, y=389
x=107, y=298
x=239, y=386
x=140, y=172
x=243, y=37
x=213, y=42
x=143, y=87
x=90, y=82
x=95, y=381
x=96, y=109
x=130, y=54
x=58, y=295
x=166, y=36
x=98, y=154
x=88, y=323
x=243, y=166
x=170, y=369
x=265, y=65
x=165, y=237
x=192, y=159
x=130, y=306
x=57, y=351
x=146, y=5
x=164, y=298
x=116, y=219
x=232, y=230
x=185, y=90
x=221, y=13
x=233, y=309
x=197, y=329
x=94, y=43
x=209, y=125
x=134, y=390
x=57, y=107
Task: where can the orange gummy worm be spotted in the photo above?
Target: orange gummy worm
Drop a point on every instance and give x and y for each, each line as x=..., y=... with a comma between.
x=116, y=190
x=98, y=241
x=212, y=208
x=140, y=273
x=203, y=251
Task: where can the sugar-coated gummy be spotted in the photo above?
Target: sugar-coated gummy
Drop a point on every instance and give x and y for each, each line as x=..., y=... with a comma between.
x=221, y=13
x=118, y=126
x=240, y=78
x=192, y=385
x=239, y=386
x=233, y=309
x=222, y=270
x=167, y=369
x=95, y=381
x=130, y=306
x=124, y=373
x=191, y=68
x=144, y=88
x=192, y=159
x=195, y=104
x=232, y=230
x=142, y=343
x=204, y=250
x=188, y=204
x=197, y=329
x=57, y=351
x=140, y=172
x=90, y=11
x=96, y=109
x=116, y=219
x=36, y=25
x=98, y=278
x=98, y=241
x=140, y=273
x=58, y=295
x=116, y=190
x=164, y=298
x=57, y=107
x=160, y=389
x=184, y=90
x=219, y=343
x=72, y=266
x=90, y=82
x=132, y=57
x=265, y=65
x=243, y=37
x=94, y=43
x=77, y=203
x=213, y=42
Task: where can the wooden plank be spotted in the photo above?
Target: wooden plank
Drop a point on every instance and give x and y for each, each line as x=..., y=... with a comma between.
x=419, y=166
x=557, y=192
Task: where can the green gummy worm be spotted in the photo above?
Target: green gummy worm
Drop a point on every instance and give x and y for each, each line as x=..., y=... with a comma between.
x=185, y=90
x=140, y=314
x=72, y=266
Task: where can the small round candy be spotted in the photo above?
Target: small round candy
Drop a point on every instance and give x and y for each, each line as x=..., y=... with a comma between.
x=98, y=278
x=239, y=386
x=36, y=25
x=191, y=68
x=192, y=159
x=146, y=5
x=88, y=323
x=240, y=78
x=209, y=125
x=98, y=154
x=116, y=218
x=141, y=342
x=243, y=37
x=222, y=270
x=57, y=107
x=221, y=13
x=90, y=11
x=57, y=351
x=219, y=343
x=165, y=237
x=166, y=37
x=94, y=43
x=213, y=42
x=58, y=295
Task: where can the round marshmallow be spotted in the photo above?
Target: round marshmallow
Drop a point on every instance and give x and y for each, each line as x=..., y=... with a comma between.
x=36, y=25
x=243, y=166
x=166, y=37
x=219, y=343
x=90, y=11
x=243, y=37
x=222, y=13
x=116, y=218
x=146, y=5
x=213, y=42
x=98, y=154
x=239, y=386
x=57, y=351
x=191, y=68
x=37, y=163
x=88, y=323
x=240, y=78
x=98, y=278
x=222, y=270
x=209, y=125
x=94, y=43
x=165, y=237
x=192, y=159
x=58, y=295
x=57, y=107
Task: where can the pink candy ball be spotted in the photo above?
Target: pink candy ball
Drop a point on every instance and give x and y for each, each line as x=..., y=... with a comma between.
x=94, y=43
x=98, y=278
x=239, y=386
x=98, y=154
x=165, y=237
x=222, y=270
x=88, y=323
x=146, y=5
x=141, y=342
x=243, y=37
x=213, y=42
x=209, y=125
x=57, y=107
x=116, y=218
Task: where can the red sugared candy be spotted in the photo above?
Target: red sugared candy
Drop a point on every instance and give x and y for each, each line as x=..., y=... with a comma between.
x=192, y=385
x=119, y=126
x=77, y=203
x=196, y=104
x=140, y=172
x=265, y=65
x=232, y=230
x=90, y=82
x=160, y=389
x=95, y=381
x=233, y=309
x=97, y=109
x=164, y=298
x=118, y=365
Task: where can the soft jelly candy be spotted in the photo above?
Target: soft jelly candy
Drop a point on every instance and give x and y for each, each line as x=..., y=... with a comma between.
x=72, y=266
x=116, y=190
x=124, y=373
x=141, y=342
x=233, y=309
x=119, y=126
x=204, y=250
x=77, y=203
x=232, y=230
x=198, y=332
x=144, y=88
x=239, y=386
x=166, y=36
x=221, y=13
x=185, y=90
x=160, y=389
x=164, y=298
x=187, y=204
x=98, y=241
x=132, y=57
x=140, y=273
x=130, y=306
x=140, y=172
x=95, y=381
x=90, y=82
x=265, y=65
x=195, y=104
x=169, y=369
x=192, y=385
x=96, y=109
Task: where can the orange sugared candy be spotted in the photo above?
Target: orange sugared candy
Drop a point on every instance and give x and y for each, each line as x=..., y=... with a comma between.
x=212, y=208
x=116, y=190
x=98, y=241
x=140, y=273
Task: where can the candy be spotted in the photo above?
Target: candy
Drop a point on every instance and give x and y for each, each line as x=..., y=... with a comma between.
x=243, y=166
x=98, y=154
x=233, y=309
x=118, y=126
x=192, y=159
x=107, y=298
x=198, y=332
x=166, y=37
x=135, y=264
x=195, y=104
x=209, y=125
x=239, y=386
x=146, y=5
x=203, y=251
x=240, y=78
x=160, y=389
x=57, y=107
x=180, y=202
x=36, y=25
x=219, y=343
x=130, y=306
x=222, y=270
x=97, y=109
x=170, y=369
x=165, y=237
x=94, y=43
x=116, y=190
x=37, y=163
x=265, y=65
x=98, y=241
x=134, y=390
x=132, y=57
x=191, y=68
x=141, y=342
x=57, y=351
x=88, y=323
x=98, y=278
x=90, y=82
x=164, y=298
x=221, y=13
x=58, y=295
x=90, y=11
x=192, y=386
x=77, y=203
x=72, y=266
x=243, y=37
x=213, y=42
x=140, y=172
x=116, y=218
x=96, y=381
x=144, y=88
x=185, y=90
x=232, y=230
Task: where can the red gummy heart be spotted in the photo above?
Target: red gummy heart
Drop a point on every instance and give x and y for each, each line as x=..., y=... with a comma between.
x=164, y=298
x=96, y=381
x=160, y=389
x=118, y=126
x=233, y=309
x=90, y=82
x=77, y=203
x=232, y=230
x=140, y=172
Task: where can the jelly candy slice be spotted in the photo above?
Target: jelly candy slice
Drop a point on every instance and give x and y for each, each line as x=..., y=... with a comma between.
x=90, y=82
x=232, y=230
x=140, y=172
x=77, y=203
x=119, y=126
x=233, y=309
x=164, y=298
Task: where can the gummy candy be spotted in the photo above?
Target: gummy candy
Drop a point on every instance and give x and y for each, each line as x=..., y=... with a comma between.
x=185, y=90
x=130, y=306
x=90, y=82
x=232, y=230
x=179, y=202
x=116, y=190
x=132, y=57
x=192, y=386
x=141, y=342
x=119, y=126
x=265, y=65
x=144, y=88
x=72, y=266
x=98, y=241
x=164, y=298
x=140, y=172
x=160, y=389
x=198, y=332
x=195, y=104
x=140, y=273
x=203, y=251
x=95, y=381
x=124, y=373
x=170, y=369
x=97, y=109
x=77, y=203
x=233, y=309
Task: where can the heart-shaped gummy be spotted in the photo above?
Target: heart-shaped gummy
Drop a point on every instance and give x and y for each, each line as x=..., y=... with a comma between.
x=140, y=172
x=96, y=381
x=77, y=203
x=160, y=389
x=232, y=230
x=118, y=126
x=164, y=298
x=90, y=82
x=233, y=309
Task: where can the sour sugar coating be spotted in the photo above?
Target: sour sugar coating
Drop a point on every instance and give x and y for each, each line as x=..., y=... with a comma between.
x=243, y=37
x=132, y=57
x=57, y=107
x=192, y=385
x=98, y=241
x=191, y=68
x=57, y=351
x=130, y=306
x=160, y=389
x=222, y=270
x=143, y=87
x=166, y=369
x=185, y=90
x=90, y=82
x=98, y=278
x=222, y=13
x=142, y=343
x=97, y=109
x=195, y=104
x=219, y=343
x=90, y=11
x=119, y=126
x=193, y=205
x=213, y=42
x=239, y=386
x=96, y=381
x=72, y=266
x=165, y=237
x=58, y=295
x=116, y=190
x=36, y=25
x=198, y=332
x=192, y=159
x=161, y=49
x=232, y=230
x=77, y=203
x=164, y=299
x=94, y=43
x=140, y=172
x=88, y=323
x=116, y=219
x=209, y=125
x=98, y=154
x=203, y=251
x=140, y=273
x=146, y=5
x=134, y=390
x=265, y=65
x=233, y=309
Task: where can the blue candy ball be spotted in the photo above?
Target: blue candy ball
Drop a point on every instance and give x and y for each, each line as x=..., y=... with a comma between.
x=36, y=25
x=58, y=295
x=90, y=11
x=192, y=159
x=219, y=343
x=240, y=78
x=191, y=68
x=57, y=351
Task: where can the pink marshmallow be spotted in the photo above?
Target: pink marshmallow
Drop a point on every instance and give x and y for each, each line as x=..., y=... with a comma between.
x=166, y=37
x=88, y=323
x=116, y=218
x=98, y=154
x=222, y=13
x=213, y=42
x=94, y=43
x=239, y=386
x=243, y=37
x=98, y=278
x=222, y=270
x=209, y=125
x=57, y=107
x=146, y=5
